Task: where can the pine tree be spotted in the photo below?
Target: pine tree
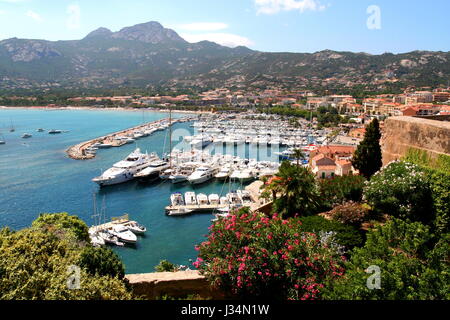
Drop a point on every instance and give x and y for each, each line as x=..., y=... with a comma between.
x=367, y=158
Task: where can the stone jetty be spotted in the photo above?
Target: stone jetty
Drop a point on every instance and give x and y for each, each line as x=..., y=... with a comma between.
x=78, y=152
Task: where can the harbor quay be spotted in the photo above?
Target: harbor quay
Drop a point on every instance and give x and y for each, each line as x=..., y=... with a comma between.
x=87, y=150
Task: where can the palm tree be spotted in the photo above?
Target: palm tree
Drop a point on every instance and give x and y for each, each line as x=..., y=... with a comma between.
x=299, y=155
x=294, y=191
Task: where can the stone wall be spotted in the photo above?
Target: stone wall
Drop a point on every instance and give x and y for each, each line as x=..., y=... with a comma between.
x=173, y=284
x=402, y=133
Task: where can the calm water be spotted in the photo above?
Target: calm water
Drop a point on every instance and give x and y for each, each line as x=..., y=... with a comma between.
x=36, y=176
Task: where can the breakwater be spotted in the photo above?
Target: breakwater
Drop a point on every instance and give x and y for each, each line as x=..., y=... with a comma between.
x=79, y=151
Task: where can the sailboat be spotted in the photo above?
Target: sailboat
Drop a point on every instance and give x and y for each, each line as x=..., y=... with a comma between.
x=12, y=129
x=165, y=175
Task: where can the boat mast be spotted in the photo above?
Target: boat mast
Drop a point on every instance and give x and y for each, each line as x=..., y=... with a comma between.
x=170, y=137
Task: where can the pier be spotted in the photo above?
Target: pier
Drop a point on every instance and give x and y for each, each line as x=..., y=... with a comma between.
x=78, y=152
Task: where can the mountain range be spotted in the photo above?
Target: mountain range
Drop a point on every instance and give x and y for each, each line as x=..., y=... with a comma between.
x=148, y=55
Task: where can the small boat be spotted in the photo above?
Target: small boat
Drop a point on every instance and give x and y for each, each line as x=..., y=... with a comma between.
x=40, y=130
x=223, y=174
x=202, y=199
x=176, y=199
x=124, y=235
x=108, y=237
x=214, y=199
x=190, y=198
x=54, y=131
x=96, y=239
x=135, y=227
x=26, y=136
x=180, y=212
x=104, y=145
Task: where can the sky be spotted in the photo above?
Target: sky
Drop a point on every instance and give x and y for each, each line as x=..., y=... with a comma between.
x=374, y=26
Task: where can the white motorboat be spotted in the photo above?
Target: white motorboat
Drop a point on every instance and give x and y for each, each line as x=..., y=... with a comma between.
x=180, y=212
x=54, y=131
x=214, y=199
x=182, y=173
x=40, y=130
x=124, y=235
x=135, y=227
x=202, y=174
x=153, y=171
x=108, y=237
x=244, y=196
x=223, y=200
x=96, y=239
x=125, y=170
x=202, y=199
x=190, y=198
x=26, y=136
x=165, y=175
x=224, y=173
x=176, y=199
x=104, y=145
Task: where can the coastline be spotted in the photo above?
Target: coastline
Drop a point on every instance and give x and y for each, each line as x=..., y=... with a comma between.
x=120, y=109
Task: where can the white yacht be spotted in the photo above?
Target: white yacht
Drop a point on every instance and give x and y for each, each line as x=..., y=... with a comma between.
x=108, y=237
x=176, y=199
x=180, y=212
x=135, y=227
x=152, y=172
x=190, y=198
x=125, y=170
x=202, y=199
x=182, y=173
x=214, y=199
x=224, y=173
x=202, y=174
x=26, y=135
x=164, y=175
x=124, y=235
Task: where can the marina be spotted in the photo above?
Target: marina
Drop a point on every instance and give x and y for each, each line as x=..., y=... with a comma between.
x=49, y=181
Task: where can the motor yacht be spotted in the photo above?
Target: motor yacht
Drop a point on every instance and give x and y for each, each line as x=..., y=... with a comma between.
x=108, y=237
x=202, y=174
x=26, y=136
x=125, y=170
x=153, y=171
x=224, y=173
x=179, y=212
x=124, y=235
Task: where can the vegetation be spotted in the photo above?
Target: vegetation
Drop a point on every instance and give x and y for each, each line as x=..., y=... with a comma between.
x=166, y=266
x=39, y=263
x=294, y=191
x=340, y=189
x=412, y=266
x=252, y=257
x=367, y=157
x=351, y=213
x=345, y=235
x=401, y=190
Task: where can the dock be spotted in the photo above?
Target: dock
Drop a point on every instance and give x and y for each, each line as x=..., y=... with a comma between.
x=78, y=152
x=196, y=208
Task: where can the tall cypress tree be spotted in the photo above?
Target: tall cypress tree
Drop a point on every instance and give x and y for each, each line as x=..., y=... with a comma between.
x=367, y=157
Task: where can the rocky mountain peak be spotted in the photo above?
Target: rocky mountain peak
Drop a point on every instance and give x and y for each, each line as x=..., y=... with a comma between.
x=100, y=32
x=149, y=32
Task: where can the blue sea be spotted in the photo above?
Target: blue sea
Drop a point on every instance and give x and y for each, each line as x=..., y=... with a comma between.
x=36, y=176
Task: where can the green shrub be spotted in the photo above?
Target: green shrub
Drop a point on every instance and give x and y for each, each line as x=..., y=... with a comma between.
x=54, y=221
x=352, y=213
x=166, y=266
x=411, y=265
x=341, y=189
x=102, y=262
x=346, y=235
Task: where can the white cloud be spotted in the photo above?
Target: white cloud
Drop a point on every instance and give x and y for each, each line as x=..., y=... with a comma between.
x=204, y=26
x=224, y=39
x=275, y=6
x=35, y=16
x=73, y=21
